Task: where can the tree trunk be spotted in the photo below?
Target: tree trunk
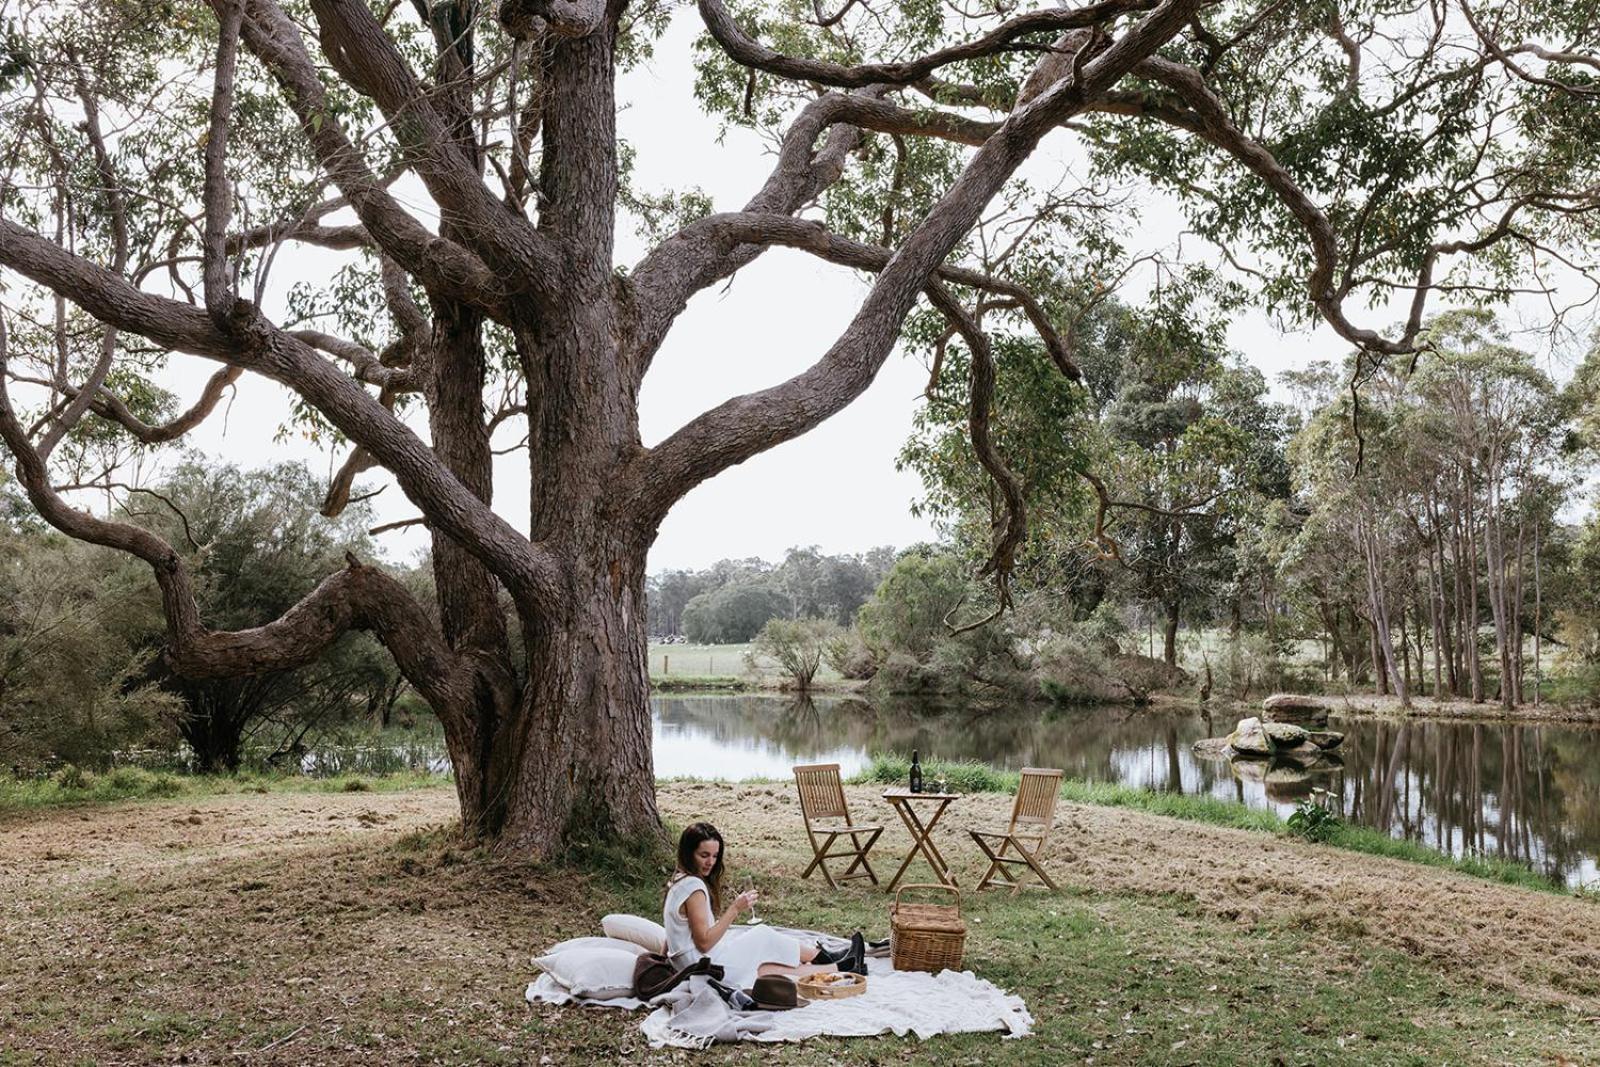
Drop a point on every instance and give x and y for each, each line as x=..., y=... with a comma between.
x=1169, y=645
x=1469, y=628
x=1383, y=641
x=582, y=765
x=1380, y=677
x=1538, y=620
x=1442, y=646
x=1515, y=619
x=1494, y=550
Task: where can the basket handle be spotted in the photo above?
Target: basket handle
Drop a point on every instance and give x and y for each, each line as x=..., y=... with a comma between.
x=927, y=885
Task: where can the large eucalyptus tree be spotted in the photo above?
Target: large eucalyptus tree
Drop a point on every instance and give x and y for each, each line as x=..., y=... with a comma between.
x=157, y=156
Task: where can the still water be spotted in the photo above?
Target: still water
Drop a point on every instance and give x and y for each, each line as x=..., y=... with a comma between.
x=1523, y=792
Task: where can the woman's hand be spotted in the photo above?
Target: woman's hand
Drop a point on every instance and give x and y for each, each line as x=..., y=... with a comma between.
x=745, y=901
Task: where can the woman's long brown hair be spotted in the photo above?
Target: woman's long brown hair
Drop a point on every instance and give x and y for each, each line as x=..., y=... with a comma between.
x=695, y=835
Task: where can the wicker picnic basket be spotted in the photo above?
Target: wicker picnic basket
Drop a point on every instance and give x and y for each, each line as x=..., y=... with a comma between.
x=926, y=937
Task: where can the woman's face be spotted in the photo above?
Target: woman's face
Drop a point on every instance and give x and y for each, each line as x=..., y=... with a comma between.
x=705, y=857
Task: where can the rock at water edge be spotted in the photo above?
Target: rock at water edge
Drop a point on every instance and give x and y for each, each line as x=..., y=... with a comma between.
x=1294, y=708
x=1250, y=738
x=1284, y=734
x=1213, y=748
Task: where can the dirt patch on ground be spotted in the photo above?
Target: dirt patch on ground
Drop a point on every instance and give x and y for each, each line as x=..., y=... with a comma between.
x=76, y=844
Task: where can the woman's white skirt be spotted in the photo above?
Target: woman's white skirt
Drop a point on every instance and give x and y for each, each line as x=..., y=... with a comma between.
x=743, y=949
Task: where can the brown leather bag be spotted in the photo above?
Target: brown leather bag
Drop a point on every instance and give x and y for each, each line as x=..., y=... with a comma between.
x=654, y=974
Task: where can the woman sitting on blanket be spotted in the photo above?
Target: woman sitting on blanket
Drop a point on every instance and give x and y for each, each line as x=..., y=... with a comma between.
x=694, y=929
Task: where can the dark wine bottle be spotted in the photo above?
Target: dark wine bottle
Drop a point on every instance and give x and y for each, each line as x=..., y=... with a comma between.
x=916, y=772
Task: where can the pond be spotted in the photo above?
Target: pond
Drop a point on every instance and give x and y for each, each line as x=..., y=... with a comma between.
x=1525, y=792
x=1528, y=792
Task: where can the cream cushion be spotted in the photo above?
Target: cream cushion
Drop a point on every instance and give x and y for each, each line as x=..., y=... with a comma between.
x=596, y=942
x=651, y=935
x=599, y=973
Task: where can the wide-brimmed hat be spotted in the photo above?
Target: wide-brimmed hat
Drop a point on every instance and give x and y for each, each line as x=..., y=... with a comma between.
x=775, y=992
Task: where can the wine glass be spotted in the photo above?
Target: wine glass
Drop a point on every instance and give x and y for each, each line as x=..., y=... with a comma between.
x=749, y=884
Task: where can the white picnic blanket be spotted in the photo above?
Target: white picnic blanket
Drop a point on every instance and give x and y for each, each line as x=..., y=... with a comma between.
x=897, y=1002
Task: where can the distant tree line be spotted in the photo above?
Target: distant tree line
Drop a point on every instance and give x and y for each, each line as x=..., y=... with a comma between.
x=730, y=601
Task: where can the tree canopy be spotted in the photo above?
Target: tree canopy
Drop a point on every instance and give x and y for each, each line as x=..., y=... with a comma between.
x=159, y=158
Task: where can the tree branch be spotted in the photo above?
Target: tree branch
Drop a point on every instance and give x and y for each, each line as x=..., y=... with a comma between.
x=751, y=53
x=109, y=406
x=745, y=228
x=215, y=194
x=1006, y=536
x=440, y=264
x=530, y=571
x=685, y=263
x=748, y=425
x=79, y=404
x=564, y=18
x=359, y=597
x=360, y=50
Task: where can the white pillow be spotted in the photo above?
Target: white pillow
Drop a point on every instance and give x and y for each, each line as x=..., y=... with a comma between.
x=640, y=931
x=598, y=973
x=596, y=942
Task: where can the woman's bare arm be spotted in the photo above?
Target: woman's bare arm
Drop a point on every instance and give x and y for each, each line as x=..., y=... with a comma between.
x=697, y=909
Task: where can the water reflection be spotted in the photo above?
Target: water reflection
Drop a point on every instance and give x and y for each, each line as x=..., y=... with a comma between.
x=1524, y=792
x=1529, y=793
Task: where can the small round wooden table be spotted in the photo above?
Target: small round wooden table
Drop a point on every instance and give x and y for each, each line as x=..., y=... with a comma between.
x=905, y=802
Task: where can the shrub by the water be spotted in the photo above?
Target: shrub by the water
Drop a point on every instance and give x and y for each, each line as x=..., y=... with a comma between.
x=1314, y=822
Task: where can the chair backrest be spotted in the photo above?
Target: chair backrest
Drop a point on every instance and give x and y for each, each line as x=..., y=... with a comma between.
x=821, y=792
x=1035, y=808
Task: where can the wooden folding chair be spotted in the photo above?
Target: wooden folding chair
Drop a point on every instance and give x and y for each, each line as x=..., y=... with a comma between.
x=822, y=799
x=1022, y=843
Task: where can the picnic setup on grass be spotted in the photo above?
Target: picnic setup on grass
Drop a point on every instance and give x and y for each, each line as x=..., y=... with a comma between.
x=705, y=975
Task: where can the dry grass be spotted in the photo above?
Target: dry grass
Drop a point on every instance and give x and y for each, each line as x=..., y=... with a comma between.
x=349, y=928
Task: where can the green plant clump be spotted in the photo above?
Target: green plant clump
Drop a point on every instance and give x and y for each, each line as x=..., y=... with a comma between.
x=1314, y=822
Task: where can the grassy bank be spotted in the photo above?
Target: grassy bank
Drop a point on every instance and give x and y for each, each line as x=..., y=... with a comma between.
x=981, y=778
x=347, y=929
x=689, y=683
x=75, y=786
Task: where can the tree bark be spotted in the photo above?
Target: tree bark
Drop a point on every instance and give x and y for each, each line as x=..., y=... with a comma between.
x=1169, y=633
x=1538, y=620
x=1383, y=641
x=1469, y=627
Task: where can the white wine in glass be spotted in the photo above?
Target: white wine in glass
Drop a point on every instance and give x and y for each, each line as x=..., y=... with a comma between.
x=749, y=884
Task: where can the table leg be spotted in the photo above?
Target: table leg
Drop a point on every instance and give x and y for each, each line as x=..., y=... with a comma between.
x=937, y=857
x=922, y=841
x=901, y=809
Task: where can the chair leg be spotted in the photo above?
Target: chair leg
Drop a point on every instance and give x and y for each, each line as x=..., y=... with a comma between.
x=1000, y=864
x=983, y=883
x=818, y=864
x=996, y=864
x=861, y=856
x=1034, y=861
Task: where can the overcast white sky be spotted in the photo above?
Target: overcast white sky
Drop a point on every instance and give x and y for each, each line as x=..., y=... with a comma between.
x=837, y=487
